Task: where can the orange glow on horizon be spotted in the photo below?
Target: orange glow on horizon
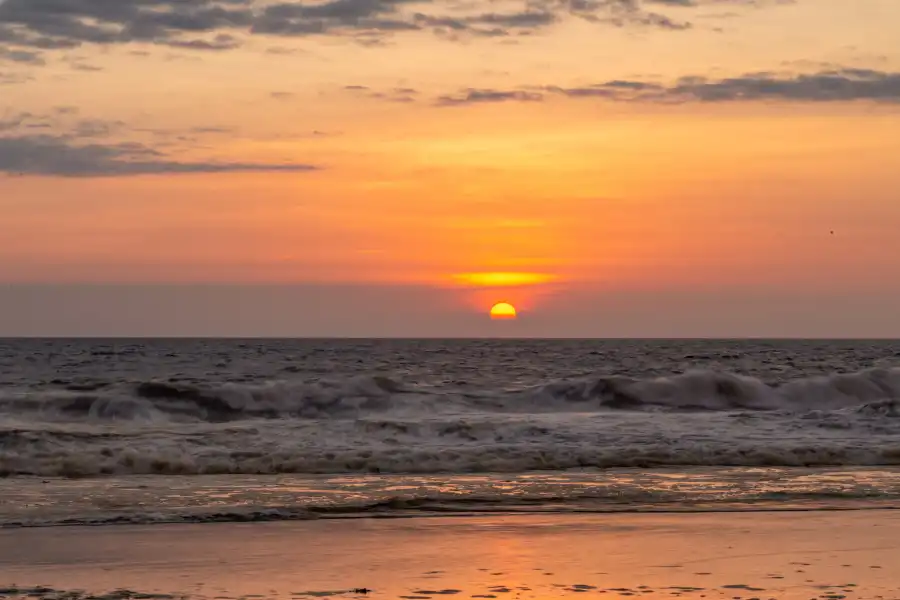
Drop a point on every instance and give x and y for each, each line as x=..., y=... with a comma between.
x=503, y=279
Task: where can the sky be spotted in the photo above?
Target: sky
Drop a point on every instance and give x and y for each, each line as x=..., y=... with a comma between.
x=613, y=168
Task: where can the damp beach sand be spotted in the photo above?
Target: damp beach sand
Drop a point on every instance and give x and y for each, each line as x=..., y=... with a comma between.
x=818, y=554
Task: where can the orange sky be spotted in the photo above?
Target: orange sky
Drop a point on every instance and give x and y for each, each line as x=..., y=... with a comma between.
x=653, y=150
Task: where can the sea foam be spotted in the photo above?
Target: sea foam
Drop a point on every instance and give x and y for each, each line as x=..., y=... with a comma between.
x=377, y=423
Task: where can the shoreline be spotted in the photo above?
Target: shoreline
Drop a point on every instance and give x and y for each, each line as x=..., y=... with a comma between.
x=148, y=500
x=265, y=517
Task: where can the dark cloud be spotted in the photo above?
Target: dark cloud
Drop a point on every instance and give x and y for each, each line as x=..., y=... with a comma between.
x=223, y=41
x=53, y=24
x=483, y=96
x=702, y=3
x=60, y=157
x=71, y=22
x=222, y=130
x=488, y=24
x=29, y=26
x=299, y=19
x=282, y=51
x=96, y=128
x=842, y=85
x=64, y=144
x=61, y=119
x=673, y=2
x=398, y=94
x=836, y=85
x=21, y=56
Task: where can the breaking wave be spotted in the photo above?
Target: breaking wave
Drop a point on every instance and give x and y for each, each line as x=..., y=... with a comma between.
x=356, y=397
x=384, y=425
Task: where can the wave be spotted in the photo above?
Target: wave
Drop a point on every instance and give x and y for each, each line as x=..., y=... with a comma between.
x=377, y=424
x=455, y=445
x=712, y=390
x=356, y=397
x=443, y=505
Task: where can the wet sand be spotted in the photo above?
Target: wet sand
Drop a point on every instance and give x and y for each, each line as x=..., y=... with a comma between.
x=823, y=555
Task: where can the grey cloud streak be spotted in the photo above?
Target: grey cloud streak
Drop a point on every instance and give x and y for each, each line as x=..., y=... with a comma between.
x=21, y=56
x=30, y=26
x=485, y=96
x=64, y=144
x=839, y=85
x=61, y=157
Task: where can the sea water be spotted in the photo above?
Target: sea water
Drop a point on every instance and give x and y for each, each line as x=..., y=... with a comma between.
x=161, y=430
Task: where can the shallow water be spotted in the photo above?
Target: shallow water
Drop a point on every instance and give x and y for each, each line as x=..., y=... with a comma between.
x=117, y=500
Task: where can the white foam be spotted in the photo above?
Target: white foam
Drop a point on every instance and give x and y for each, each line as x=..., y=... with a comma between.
x=376, y=424
x=174, y=499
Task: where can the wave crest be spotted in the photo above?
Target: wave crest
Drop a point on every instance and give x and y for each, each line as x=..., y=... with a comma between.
x=358, y=397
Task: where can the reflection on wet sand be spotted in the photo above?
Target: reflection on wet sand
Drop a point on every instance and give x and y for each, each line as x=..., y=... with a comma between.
x=743, y=556
x=555, y=590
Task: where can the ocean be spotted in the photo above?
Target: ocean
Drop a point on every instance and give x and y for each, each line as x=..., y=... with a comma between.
x=193, y=430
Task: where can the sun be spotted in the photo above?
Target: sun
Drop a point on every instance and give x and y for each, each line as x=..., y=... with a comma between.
x=503, y=310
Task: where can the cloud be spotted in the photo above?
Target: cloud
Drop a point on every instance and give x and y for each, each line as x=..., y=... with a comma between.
x=397, y=94
x=710, y=3
x=64, y=144
x=7, y=78
x=841, y=85
x=483, y=96
x=834, y=85
x=30, y=26
x=223, y=41
x=52, y=24
x=61, y=118
x=59, y=156
x=21, y=56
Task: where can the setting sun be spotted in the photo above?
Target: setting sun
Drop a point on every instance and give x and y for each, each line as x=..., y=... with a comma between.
x=503, y=310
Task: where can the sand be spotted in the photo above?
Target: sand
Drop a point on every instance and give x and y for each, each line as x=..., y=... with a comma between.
x=828, y=555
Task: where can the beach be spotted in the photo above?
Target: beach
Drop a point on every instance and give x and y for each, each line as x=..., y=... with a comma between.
x=439, y=300
x=826, y=555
